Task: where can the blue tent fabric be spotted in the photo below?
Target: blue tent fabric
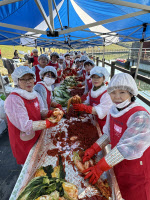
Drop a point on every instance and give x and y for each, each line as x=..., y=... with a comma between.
x=26, y=14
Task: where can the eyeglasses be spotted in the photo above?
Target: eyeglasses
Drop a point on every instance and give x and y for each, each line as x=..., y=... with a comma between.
x=26, y=80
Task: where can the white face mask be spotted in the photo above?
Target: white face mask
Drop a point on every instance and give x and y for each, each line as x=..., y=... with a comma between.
x=123, y=104
x=49, y=81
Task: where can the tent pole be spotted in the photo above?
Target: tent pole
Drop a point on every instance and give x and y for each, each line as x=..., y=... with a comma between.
x=58, y=15
x=43, y=13
x=140, y=52
x=51, y=13
x=103, y=60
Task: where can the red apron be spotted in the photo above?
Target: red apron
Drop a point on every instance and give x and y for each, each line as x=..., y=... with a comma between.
x=133, y=176
x=68, y=72
x=70, y=64
x=95, y=102
x=37, y=71
x=35, y=62
x=48, y=96
x=89, y=83
x=56, y=66
x=21, y=148
x=84, y=73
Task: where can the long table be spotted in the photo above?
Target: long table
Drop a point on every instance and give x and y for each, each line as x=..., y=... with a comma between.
x=38, y=157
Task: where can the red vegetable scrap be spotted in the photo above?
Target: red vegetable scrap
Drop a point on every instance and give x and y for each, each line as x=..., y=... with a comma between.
x=73, y=113
x=86, y=132
x=78, y=91
x=53, y=152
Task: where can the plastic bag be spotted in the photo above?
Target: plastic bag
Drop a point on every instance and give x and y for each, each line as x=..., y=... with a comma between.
x=2, y=110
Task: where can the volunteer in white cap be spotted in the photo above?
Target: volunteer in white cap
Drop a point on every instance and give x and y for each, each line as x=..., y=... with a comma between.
x=24, y=108
x=34, y=57
x=54, y=62
x=98, y=100
x=88, y=65
x=128, y=130
x=43, y=61
x=68, y=60
x=82, y=72
x=61, y=62
x=44, y=87
x=78, y=54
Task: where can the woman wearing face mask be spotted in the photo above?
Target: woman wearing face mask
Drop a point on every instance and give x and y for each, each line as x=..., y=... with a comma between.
x=24, y=109
x=43, y=60
x=98, y=100
x=128, y=130
x=48, y=76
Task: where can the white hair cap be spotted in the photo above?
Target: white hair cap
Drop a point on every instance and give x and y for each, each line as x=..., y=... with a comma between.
x=43, y=56
x=78, y=53
x=19, y=72
x=77, y=60
x=47, y=69
x=61, y=57
x=66, y=54
x=83, y=58
x=89, y=61
x=100, y=71
x=123, y=81
x=54, y=54
x=34, y=50
x=72, y=53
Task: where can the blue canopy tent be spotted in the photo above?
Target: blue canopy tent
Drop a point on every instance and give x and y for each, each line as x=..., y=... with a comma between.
x=73, y=23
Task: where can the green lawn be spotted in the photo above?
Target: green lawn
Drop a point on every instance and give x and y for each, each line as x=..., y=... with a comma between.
x=8, y=52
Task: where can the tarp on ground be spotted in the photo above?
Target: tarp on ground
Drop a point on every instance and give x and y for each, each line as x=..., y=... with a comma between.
x=78, y=23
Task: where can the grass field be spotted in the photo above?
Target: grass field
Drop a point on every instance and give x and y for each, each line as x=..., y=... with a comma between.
x=8, y=52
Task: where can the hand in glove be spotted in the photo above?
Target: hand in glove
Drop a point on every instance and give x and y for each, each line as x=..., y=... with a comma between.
x=50, y=124
x=79, y=85
x=79, y=78
x=60, y=107
x=59, y=72
x=90, y=152
x=82, y=107
x=96, y=171
x=50, y=112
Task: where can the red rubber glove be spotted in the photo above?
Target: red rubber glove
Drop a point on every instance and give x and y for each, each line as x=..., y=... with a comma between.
x=60, y=107
x=74, y=72
x=50, y=124
x=79, y=85
x=50, y=112
x=79, y=78
x=90, y=152
x=82, y=107
x=83, y=97
x=96, y=171
x=59, y=72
